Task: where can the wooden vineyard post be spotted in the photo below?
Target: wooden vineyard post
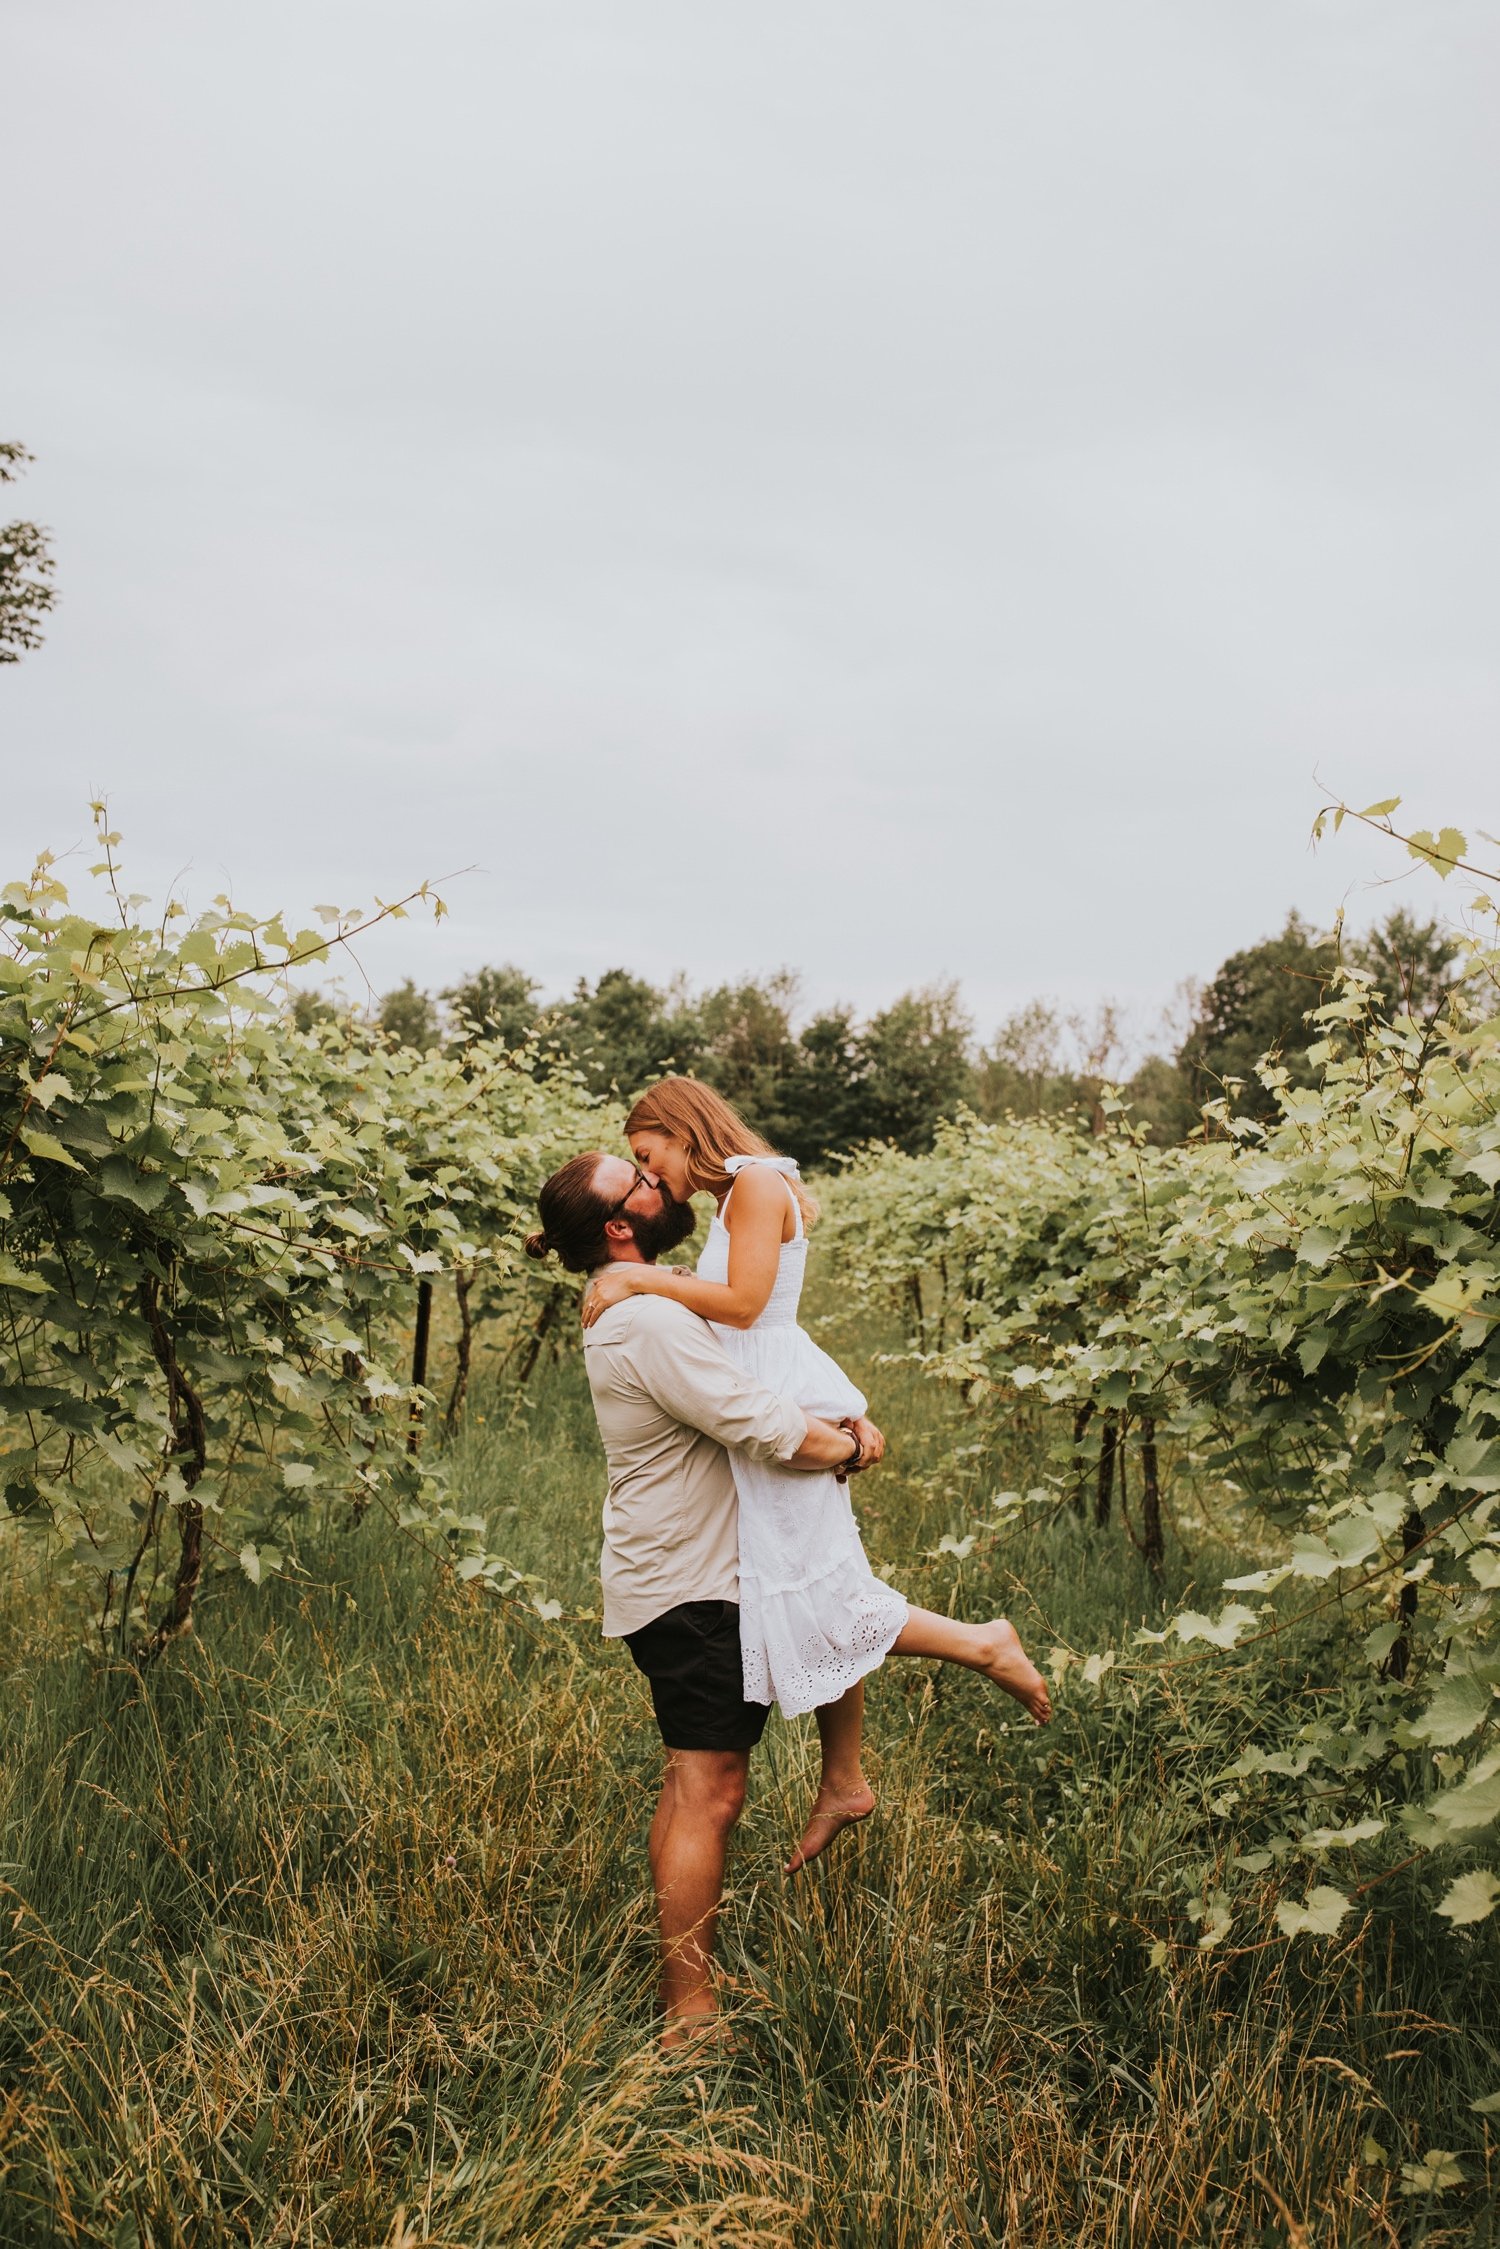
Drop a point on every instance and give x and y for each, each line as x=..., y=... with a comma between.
x=1081, y=1420
x=1398, y=1662
x=361, y=1445
x=538, y=1336
x=463, y=1281
x=419, y=1362
x=1150, y=1498
x=190, y=1445
x=1109, y=1437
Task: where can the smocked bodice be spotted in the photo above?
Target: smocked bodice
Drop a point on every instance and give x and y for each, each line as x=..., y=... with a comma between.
x=786, y=1290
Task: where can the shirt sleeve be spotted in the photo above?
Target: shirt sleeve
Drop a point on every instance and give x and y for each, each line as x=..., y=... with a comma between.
x=689, y=1374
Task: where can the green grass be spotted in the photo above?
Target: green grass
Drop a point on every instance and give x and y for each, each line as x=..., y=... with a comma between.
x=334, y=1930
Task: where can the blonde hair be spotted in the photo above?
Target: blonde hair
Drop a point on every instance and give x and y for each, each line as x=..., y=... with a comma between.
x=710, y=1131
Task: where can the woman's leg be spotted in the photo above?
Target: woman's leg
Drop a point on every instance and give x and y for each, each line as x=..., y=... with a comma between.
x=994, y=1648
x=844, y=1795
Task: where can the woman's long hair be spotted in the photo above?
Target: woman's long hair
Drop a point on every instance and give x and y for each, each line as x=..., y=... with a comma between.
x=710, y=1131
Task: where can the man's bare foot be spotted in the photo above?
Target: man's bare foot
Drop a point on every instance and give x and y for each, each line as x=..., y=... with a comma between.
x=833, y=1810
x=702, y=2031
x=1011, y=1668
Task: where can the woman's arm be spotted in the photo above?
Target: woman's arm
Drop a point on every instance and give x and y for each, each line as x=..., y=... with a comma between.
x=760, y=1208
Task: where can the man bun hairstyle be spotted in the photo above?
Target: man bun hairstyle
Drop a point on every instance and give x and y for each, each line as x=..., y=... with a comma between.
x=574, y=1215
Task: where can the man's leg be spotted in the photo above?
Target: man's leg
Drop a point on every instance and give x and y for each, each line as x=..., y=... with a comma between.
x=661, y=1820
x=700, y=1801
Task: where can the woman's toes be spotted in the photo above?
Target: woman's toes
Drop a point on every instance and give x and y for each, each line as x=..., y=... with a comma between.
x=1012, y=1669
x=827, y=1820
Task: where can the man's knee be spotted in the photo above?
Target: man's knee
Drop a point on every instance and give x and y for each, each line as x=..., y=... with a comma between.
x=729, y=1799
x=709, y=1784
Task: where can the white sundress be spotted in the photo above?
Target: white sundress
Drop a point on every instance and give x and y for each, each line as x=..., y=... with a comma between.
x=814, y=1618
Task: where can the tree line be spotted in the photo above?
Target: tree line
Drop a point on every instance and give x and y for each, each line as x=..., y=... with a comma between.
x=837, y=1082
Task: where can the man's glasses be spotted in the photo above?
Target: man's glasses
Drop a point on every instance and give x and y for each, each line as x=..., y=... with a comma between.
x=616, y=1210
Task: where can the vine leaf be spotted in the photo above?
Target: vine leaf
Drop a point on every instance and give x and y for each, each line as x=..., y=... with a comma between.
x=1458, y=1706
x=1472, y=1897
x=1441, y=852
x=1319, y=1917
x=1438, y=2169
x=1220, y=1633
x=49, y=1148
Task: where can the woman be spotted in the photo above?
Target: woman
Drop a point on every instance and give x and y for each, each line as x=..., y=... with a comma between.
x=814, y=1618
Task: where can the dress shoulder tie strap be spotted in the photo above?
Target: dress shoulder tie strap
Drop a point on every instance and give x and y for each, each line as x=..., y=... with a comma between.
x=789, y=1169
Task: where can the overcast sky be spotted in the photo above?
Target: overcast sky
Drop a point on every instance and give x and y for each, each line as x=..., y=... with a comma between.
x=900, y=491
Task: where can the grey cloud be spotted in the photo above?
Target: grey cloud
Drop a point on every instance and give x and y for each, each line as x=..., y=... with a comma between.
x=896, y=491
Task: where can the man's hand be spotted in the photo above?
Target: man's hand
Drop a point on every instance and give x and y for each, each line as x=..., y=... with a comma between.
x=828, y=1444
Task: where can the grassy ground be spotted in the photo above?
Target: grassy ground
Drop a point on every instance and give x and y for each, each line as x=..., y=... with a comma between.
x=335, y=1931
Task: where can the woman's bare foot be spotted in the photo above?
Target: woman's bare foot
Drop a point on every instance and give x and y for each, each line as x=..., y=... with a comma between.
x=1008, y=1664
x=833, y=1810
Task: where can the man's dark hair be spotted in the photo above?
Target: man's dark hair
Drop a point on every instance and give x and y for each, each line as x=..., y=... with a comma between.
x=574, y=1215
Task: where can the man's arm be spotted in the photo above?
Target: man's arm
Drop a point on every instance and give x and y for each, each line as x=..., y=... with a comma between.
x=683, y=1366
x=828, y=1444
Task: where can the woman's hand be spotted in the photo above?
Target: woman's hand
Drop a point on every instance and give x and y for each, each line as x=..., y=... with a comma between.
x=872, y=1440
x=871, y=1446
x=612, y=1286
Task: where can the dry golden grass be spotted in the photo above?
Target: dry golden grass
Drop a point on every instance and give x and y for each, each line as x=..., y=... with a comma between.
x=335, y=1931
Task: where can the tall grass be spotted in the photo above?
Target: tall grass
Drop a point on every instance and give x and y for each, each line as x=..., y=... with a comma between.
x=335, y=1929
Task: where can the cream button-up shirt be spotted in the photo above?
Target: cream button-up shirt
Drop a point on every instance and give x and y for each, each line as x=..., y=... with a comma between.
x=668, y=1401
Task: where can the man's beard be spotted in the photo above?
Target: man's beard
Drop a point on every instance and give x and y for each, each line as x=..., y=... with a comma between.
x=661, y=1230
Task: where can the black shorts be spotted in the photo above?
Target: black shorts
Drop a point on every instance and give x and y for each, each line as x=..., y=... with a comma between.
x=691, y=1655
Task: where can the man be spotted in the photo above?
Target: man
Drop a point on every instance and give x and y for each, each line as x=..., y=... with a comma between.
x=668, y=1401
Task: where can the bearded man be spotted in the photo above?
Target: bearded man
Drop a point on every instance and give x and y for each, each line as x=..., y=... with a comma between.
x=670, y=1406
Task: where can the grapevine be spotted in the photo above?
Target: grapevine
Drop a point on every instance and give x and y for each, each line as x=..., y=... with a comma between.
x=215, y=1232
x=1306, y=1311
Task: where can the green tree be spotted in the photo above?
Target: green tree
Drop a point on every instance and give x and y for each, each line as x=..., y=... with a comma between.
x=821, y=1099
x=621, y=1032
x=750, y=1054
x=309, y=1009
x=1022, y=1072
x=1256, y=1004
x=1414, y=963
x=1160, y=1100
x=497, y=1003
x=408, y=1017
x=914, y=1067
x=26, y=589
